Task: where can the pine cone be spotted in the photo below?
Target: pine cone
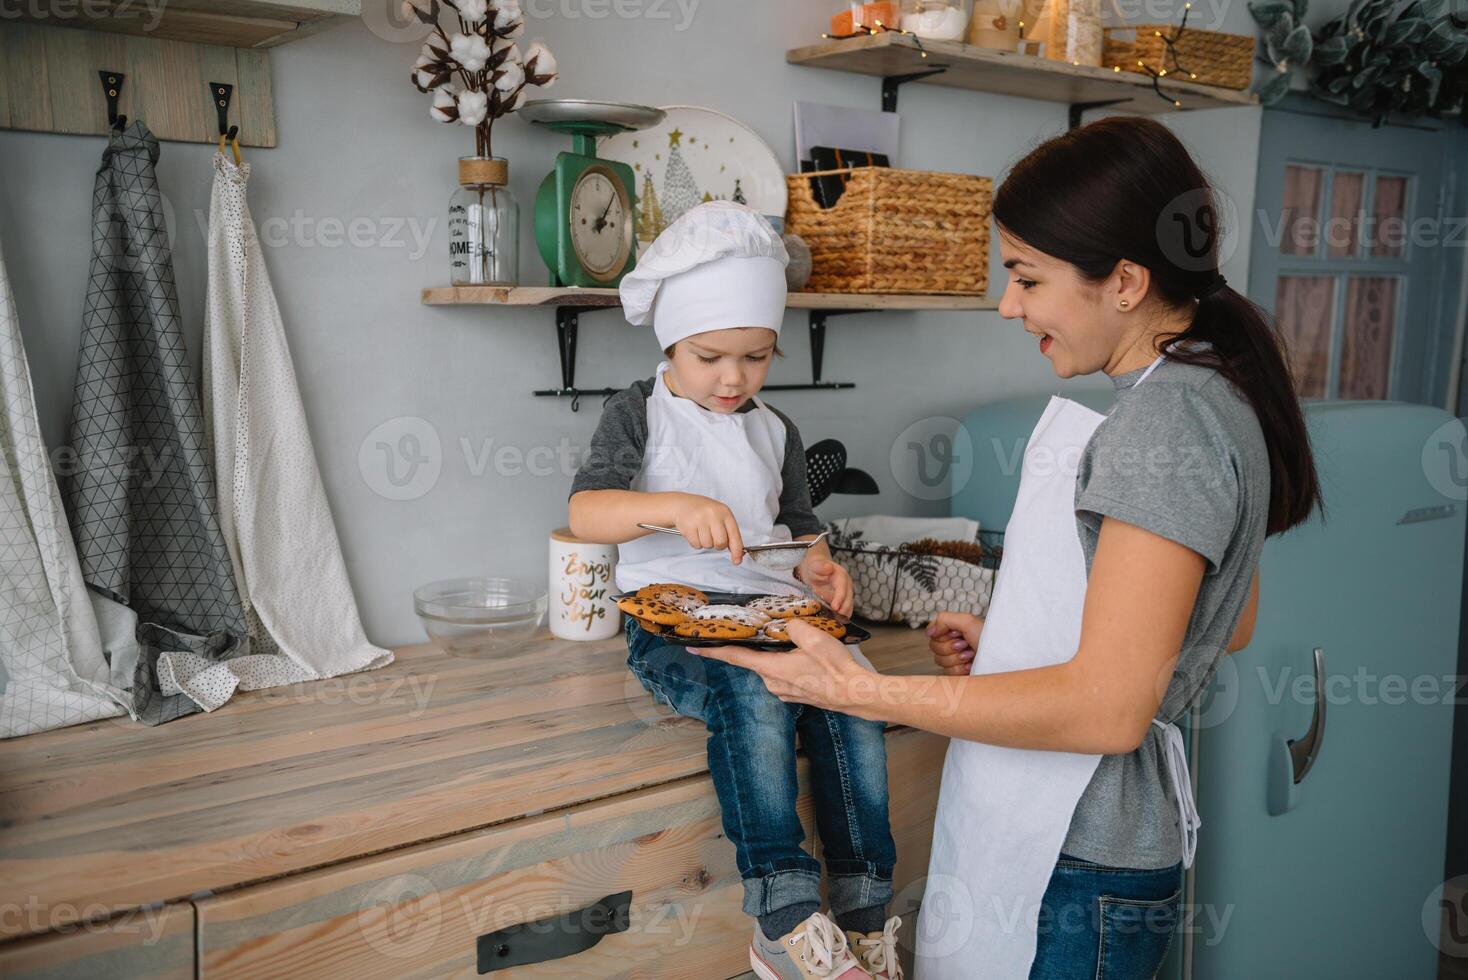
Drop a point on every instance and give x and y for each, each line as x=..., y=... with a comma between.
x=969, y=551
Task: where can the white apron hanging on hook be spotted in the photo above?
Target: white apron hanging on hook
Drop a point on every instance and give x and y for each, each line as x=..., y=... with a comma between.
x=273, y=509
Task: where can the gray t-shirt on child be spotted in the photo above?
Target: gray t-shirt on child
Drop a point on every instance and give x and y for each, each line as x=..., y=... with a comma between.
x=1183, y=456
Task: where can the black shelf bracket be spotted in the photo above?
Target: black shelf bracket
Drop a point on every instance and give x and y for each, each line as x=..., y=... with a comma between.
x=1077, y=108
x=892, y=83
x=568, y=325
x=818, y=355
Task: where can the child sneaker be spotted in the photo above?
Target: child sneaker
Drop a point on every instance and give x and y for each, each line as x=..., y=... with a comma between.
x=814, y=949
x=877, y=951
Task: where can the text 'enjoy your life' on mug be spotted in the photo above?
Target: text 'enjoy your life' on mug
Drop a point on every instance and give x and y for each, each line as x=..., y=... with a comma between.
x=582, y=580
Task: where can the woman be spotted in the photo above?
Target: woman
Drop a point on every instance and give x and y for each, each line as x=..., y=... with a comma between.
x=1130, y=568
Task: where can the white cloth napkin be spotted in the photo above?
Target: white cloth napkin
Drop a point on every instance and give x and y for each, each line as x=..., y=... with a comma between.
x=50, y=647
x=273, y=510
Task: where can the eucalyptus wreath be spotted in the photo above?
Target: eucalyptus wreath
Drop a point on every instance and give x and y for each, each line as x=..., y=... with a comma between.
x=1381, y=58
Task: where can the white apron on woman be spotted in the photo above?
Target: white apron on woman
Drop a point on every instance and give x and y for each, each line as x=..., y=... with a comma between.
x=735, y=458
x=1004, y=813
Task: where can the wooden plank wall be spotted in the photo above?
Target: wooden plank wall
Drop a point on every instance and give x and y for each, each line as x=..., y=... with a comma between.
x=49, y=83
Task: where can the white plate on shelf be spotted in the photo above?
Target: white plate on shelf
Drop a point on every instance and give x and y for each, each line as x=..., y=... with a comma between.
x=693, y=155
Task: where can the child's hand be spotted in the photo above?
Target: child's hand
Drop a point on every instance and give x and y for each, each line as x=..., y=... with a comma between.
x=831, y=582
x=708, y=523
x=954, y=637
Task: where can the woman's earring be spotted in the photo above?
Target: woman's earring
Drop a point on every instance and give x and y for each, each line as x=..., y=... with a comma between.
x=1125, y=303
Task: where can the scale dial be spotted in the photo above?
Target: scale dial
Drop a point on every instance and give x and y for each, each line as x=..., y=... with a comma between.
x=601, y=223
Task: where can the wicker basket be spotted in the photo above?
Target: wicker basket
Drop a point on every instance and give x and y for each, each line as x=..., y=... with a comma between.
x=899, y=585
x=1221, y=60
x=895, y=231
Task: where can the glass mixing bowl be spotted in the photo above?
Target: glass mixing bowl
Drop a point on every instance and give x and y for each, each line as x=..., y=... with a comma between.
x=479, y=617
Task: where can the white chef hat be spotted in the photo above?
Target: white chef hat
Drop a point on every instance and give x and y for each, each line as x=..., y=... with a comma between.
x=719, y=265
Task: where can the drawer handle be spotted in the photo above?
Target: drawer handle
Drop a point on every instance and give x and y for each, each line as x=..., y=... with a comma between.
x=556, y=936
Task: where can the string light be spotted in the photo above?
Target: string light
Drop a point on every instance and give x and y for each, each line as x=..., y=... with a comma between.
x=880, y=28
x=1169, y=54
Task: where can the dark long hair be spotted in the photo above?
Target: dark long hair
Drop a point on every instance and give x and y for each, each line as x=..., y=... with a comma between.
x=1125, y=187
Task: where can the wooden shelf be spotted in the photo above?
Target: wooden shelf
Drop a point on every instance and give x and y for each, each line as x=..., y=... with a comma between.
x=232, y=23
x=570, y=303
x=890, y=54
x=549, y=296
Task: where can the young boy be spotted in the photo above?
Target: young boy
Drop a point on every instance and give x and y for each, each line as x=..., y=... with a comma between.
x=694, y=448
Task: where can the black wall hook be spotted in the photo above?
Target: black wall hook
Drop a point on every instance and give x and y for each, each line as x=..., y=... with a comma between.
x=221, y=93
x=111, y=89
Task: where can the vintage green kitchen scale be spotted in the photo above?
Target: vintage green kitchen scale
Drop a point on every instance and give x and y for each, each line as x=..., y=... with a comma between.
x=585, y=210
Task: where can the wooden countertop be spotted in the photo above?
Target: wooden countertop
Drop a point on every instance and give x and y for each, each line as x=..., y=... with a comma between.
x=99, y=818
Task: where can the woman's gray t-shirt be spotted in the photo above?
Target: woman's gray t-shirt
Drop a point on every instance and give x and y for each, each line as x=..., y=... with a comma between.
x=1181, y=455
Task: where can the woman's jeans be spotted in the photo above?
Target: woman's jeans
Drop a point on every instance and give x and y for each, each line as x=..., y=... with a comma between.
x=1106, y=923
x=751, y=750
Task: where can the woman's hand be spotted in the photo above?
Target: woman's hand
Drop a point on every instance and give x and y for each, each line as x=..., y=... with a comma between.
x=818, y=672
x=707, y=523
x=831, y=582
x=953, y=637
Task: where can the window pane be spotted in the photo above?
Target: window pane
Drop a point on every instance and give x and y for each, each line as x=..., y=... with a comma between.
x=1301, y=217
x=1389, y=229
x=1366, y=347
x=1304, y=305
x=1346, y=197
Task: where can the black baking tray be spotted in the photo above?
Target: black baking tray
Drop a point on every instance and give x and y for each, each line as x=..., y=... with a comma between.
x=854, y=633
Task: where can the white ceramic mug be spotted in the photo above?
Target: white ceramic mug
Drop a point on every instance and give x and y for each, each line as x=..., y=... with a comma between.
x=582, y=580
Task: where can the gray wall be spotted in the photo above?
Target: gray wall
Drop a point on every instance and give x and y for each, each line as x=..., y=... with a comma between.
x=356, y=142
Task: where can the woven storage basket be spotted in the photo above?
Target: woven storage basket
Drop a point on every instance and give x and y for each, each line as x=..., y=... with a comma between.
x=898, y=585
x=1221, y=60
x=895, y=231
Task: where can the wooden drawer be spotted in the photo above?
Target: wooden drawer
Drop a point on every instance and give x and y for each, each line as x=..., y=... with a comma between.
x=419, y=911
x=144, y=943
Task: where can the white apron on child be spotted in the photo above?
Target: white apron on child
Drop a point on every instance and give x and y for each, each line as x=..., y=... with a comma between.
x=1004, y=813
x=735, y=458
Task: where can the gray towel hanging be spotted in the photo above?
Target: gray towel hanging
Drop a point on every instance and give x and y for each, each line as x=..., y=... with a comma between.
x=140, y=491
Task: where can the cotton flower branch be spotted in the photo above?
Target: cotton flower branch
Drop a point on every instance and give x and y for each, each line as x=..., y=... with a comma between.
x=474, y=70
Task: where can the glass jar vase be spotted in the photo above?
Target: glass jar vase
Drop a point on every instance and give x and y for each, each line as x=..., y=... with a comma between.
x=937, y=20
x=484, y=225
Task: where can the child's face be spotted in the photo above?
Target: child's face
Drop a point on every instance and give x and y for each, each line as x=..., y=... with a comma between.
x=721, y=369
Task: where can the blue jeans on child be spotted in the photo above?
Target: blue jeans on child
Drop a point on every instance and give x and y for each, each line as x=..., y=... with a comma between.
x=751, y=750
x=1106, y=923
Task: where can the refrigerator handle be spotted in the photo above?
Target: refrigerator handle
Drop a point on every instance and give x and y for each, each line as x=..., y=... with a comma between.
x=1303, y=752
x=1291, y=759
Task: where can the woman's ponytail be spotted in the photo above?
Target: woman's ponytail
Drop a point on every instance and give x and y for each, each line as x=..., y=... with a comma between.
x=1244, y=349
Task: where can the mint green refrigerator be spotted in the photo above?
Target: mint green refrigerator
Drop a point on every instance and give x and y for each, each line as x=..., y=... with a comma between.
x=1324, y=808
